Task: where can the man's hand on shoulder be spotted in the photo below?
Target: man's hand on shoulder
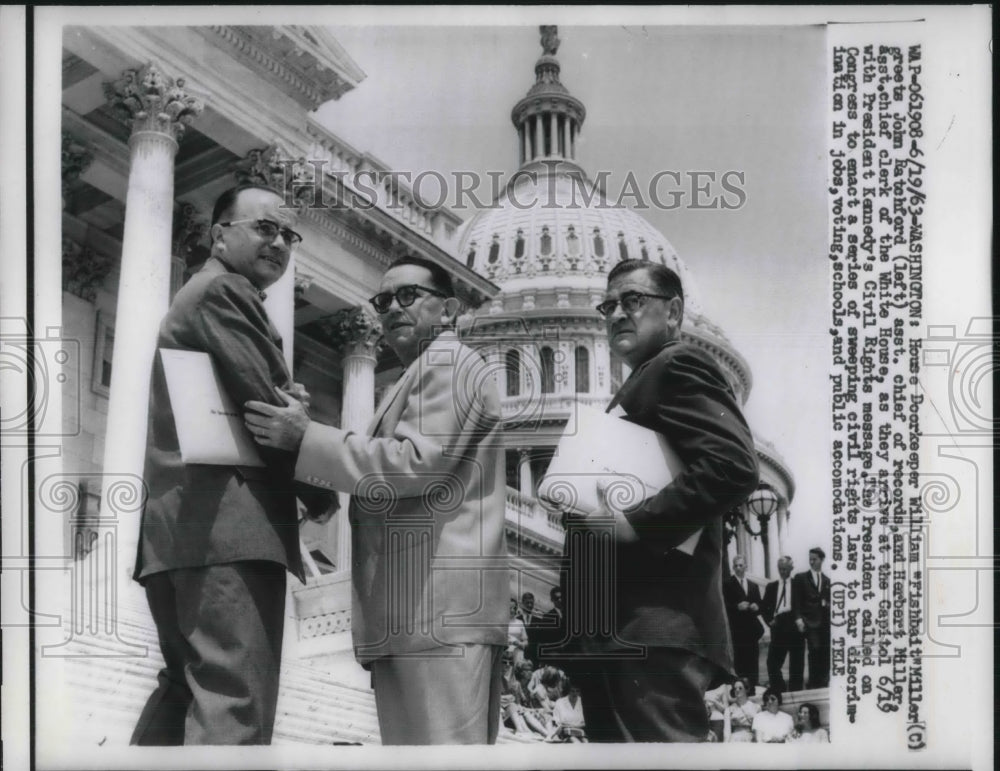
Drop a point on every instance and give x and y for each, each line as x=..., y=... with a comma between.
x=279, y=427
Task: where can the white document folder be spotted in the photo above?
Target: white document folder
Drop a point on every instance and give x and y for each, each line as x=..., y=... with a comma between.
x=210, y=427
x=630, y=462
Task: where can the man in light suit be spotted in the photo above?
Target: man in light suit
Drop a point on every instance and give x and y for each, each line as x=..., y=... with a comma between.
x=811, y=607
x=215, y=541
x=786, y=637
x=430, y=580
x=647, y=681
x=743, y=602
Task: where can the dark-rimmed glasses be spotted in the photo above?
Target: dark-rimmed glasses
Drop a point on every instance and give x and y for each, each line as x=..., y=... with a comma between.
x=269, y=229
x=405, y=296
x=630, y=302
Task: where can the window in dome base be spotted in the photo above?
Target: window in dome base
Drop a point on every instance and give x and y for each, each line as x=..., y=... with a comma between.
x=548, y=358
x=598, y=243
x=582, y=370
x=513, y=367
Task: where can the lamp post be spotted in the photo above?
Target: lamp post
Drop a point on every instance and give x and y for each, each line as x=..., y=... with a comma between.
x=762, y=503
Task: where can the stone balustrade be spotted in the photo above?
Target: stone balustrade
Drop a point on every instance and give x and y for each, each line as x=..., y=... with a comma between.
x=533, y=521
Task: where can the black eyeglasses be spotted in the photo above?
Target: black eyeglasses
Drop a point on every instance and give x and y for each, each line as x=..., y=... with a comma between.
x=405, y=296
x=269, y=229
x=630, y=302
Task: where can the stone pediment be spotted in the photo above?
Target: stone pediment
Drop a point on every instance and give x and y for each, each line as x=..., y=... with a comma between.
x=307, y=63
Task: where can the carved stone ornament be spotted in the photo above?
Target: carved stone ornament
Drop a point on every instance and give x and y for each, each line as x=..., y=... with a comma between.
x=273, y=166
x=302, y=283
x=189, y=234
x=83, y=270
x=550, y=38
x=353, y=331
x=75, y=159
x=148, y=100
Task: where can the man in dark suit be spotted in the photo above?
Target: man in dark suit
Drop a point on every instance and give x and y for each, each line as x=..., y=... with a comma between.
x=550, y=629
x=743, y=602
x=786, y=639
x=526, y=612
x=646, y=680
x=812, y=617
x=215, y=541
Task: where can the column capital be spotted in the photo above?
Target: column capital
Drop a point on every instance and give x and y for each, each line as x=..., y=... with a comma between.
x=148, y=100
x=302, y=283
x=189, y=229
x=83, y=269
x=354, y=332
x=275, y=167
x=75, y=158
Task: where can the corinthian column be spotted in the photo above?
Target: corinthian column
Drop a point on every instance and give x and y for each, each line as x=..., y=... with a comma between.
x=157, y=108
x=355, y=333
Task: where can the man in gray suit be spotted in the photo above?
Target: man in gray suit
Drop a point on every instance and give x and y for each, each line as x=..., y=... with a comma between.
x=430, y=580
x=215, y=541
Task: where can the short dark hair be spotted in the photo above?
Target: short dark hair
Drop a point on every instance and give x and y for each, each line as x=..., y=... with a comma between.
x=526, y=595
x=769, y=693
x=440, y=278
x=553, y=590
x=227, y=200
x=667, y=282
x=818, y=552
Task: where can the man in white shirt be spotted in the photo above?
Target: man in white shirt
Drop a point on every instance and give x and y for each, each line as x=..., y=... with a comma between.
x=786, y=639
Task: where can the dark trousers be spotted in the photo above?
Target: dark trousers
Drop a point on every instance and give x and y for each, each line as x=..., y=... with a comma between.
x=818, y=646
x=220, y=630
x=786, y=640
x=746, y=658
x=659, y=698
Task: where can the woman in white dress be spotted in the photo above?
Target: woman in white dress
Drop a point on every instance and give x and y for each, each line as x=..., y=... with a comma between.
x=739, y=713
x=771, y=725
x=807, y=727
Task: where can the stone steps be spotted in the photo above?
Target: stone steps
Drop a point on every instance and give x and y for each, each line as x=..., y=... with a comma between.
x=110, y=685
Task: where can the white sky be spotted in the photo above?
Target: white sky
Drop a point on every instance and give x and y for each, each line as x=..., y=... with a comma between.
x=657, y=98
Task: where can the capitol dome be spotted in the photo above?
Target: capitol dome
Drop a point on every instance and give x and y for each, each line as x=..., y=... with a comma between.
x=562, y=240
x=548, y=242
x=551, y=237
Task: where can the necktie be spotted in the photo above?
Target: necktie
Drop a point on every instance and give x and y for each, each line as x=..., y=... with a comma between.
x=781, y=599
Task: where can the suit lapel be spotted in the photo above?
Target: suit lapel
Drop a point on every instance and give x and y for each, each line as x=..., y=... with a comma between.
x=390, y=398
x=405, y=382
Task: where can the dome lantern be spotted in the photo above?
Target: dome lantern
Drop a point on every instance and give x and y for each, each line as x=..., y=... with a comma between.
x=548, y=118
x=550, y=238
